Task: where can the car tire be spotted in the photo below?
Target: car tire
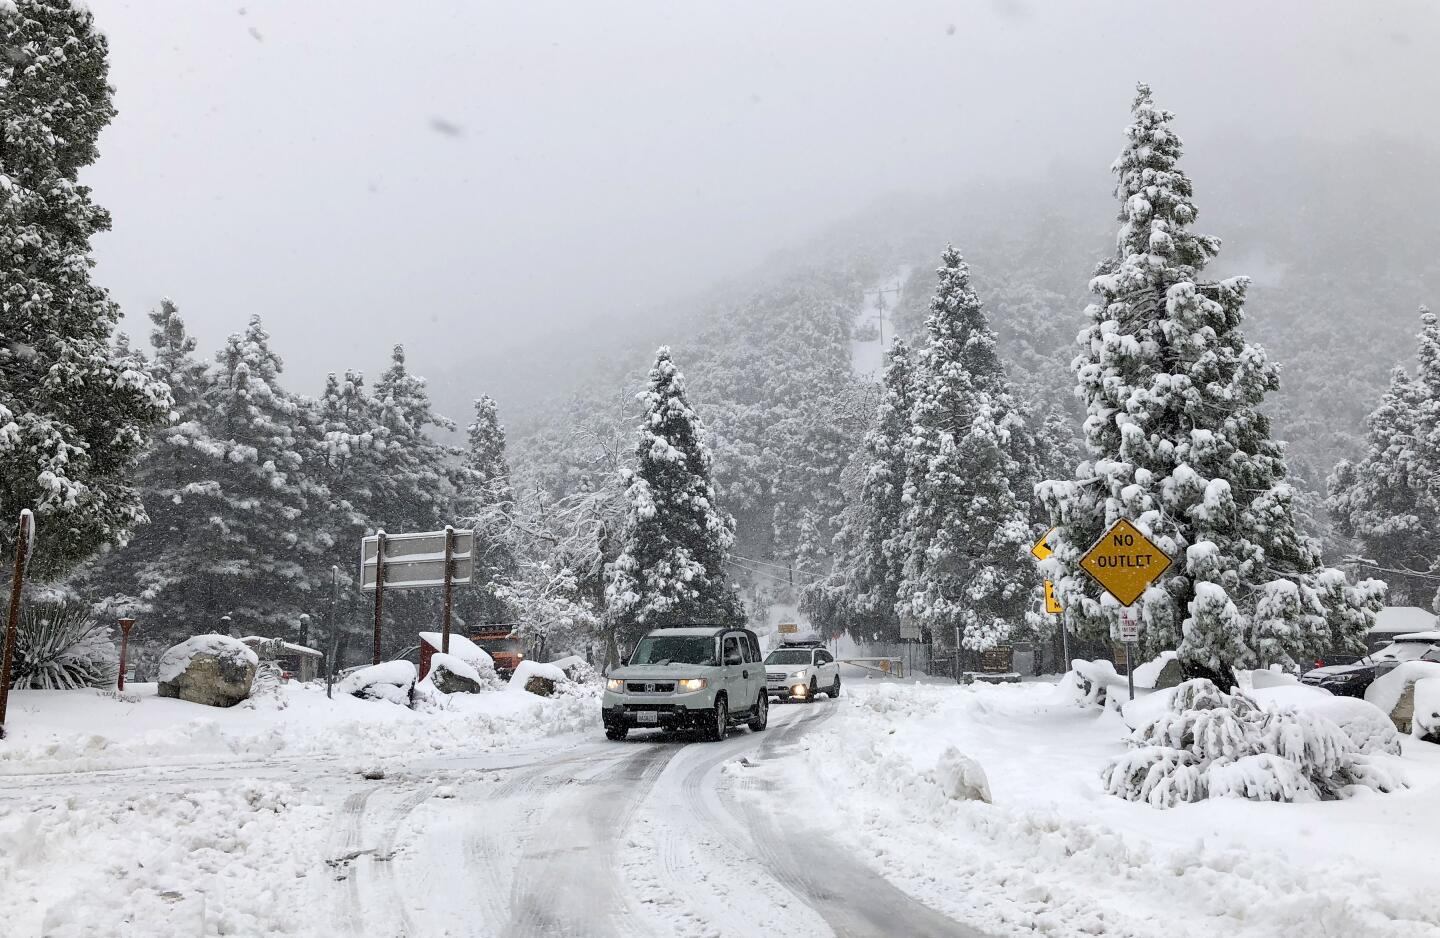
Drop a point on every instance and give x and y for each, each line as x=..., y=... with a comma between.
x=762, y=713
x=616, y=733
x=814, y=692
x=834, y=690
x=719, y=721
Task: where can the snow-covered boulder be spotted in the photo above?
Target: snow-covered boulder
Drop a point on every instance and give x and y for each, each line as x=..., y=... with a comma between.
x=537, y=678
x=463, y=649
x=577, y=669
x=1160, y=673
x=390, y=680
x=214, y=670
x=451, y=675
x=1394, y=692
x=961, y=777
x=1426, y=723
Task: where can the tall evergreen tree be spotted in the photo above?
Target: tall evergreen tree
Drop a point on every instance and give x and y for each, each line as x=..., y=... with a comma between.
x=1390, y=500
x=416, y=487
x=259, y=551
x=861, y=592
x=676, y=539
x=1178, y=445
x=485, y=490
x=968, y=477
x=153, y=572
x=75, y=412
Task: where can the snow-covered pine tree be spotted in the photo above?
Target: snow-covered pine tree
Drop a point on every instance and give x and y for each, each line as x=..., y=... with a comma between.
x=1389, y=501
x=485, y=490
x=416, y=488
x=1177, y=444
x=75, y=413
x=676, y=539
x=968, y=478
x=860, y=593
x=151, y=575
x=258, y=551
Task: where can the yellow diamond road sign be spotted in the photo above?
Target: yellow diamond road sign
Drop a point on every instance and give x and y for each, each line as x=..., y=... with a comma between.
x=1041, y=550
x=1124, y=561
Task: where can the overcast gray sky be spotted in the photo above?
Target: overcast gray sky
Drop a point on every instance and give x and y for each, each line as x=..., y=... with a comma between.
x=459, y=176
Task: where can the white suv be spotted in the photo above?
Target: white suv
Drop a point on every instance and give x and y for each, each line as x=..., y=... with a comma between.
x=801, y=671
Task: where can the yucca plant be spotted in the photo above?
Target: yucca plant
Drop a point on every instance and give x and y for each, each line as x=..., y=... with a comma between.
x=61, y=646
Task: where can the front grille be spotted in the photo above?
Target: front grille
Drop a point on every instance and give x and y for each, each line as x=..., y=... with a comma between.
x=658, y=708
x=650, y=687
x=775, y=678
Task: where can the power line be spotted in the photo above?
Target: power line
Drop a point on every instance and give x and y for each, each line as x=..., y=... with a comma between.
x=781, y=566
x=773, y=576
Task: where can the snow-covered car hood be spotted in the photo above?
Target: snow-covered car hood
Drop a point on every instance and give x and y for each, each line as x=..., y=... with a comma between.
x=639, y=672
x=1339, y=670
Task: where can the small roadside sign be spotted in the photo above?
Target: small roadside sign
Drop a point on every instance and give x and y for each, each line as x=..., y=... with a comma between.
x=1041, y=550
x=1052, y=605
x=788, y=628
x=1124, y=561
x=1129, y=625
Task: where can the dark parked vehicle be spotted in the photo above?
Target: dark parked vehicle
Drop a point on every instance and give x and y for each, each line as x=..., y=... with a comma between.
x=1352, y=680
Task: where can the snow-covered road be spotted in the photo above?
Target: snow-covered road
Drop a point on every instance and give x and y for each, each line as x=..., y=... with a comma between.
x=571, y=835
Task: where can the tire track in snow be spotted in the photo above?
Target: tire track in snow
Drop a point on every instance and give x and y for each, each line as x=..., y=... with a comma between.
x=566, y=883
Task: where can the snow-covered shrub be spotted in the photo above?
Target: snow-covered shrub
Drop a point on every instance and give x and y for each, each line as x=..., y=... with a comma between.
x=60, y=646
x=961, y=777
x=391, y=680
x=267, y=690
x=1427, y=709
x=1209, y=744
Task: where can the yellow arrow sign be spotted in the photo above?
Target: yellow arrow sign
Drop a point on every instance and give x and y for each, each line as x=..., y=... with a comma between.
x=1124, y=561
x=1041, y=550
x=1052, y=605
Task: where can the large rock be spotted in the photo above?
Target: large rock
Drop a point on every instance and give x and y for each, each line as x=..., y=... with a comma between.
x=214, y=670
x=537, y=678
x=393, y=681
x=451, y=675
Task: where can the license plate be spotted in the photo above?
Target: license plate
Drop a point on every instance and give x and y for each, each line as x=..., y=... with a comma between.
x=647, y=716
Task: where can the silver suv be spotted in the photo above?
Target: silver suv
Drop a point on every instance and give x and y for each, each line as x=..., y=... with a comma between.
x=700, y=678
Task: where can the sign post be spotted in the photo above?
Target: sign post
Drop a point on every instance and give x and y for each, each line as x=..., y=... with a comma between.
x=24, y=544
x=1125, y=562
x=334, y=630
x=413, y=561
x=126, y=624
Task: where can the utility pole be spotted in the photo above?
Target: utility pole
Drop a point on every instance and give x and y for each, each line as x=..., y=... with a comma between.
x=880, y=307
x=334, y=630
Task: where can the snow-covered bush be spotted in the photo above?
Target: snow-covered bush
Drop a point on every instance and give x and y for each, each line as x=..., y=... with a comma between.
x=1209, y=744
x=391, y=680
x=267, y=690
x=61, y=646
x=1427, y=709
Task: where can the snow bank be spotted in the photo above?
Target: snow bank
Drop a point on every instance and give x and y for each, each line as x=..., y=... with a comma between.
x=1054, y=856
x=177, y=658
x=1386, y=690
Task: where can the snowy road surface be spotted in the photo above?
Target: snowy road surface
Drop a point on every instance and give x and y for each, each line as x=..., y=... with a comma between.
x=576, y=836
x=508, y=815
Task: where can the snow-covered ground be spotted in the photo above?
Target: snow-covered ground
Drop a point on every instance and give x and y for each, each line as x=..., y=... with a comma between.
x=509, y=814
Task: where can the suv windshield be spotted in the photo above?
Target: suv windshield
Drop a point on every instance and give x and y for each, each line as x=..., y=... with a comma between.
x=675, y=649
x=789, y=656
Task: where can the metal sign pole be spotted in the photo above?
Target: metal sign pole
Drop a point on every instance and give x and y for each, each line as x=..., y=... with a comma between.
x=12, y=624
x=379, y=589
x=1129, y=672
x=1064, y=642
x=449, y=575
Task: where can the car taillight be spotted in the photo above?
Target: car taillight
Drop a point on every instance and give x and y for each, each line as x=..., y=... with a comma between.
x=1319, y=662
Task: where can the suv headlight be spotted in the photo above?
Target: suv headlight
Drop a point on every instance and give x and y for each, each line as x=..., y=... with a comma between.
x=691, y=684
x=800, y=673
x=615, y=684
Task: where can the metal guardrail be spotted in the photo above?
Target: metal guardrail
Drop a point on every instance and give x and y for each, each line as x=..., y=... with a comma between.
x=890, y=667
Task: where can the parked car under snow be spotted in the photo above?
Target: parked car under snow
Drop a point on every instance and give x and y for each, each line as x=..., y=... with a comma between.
x=1351, y=680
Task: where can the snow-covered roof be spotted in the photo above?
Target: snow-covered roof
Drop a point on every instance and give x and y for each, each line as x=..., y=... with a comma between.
x=691, y=630
x=290, y=647
x=1431, y=636
x=1403, y=619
